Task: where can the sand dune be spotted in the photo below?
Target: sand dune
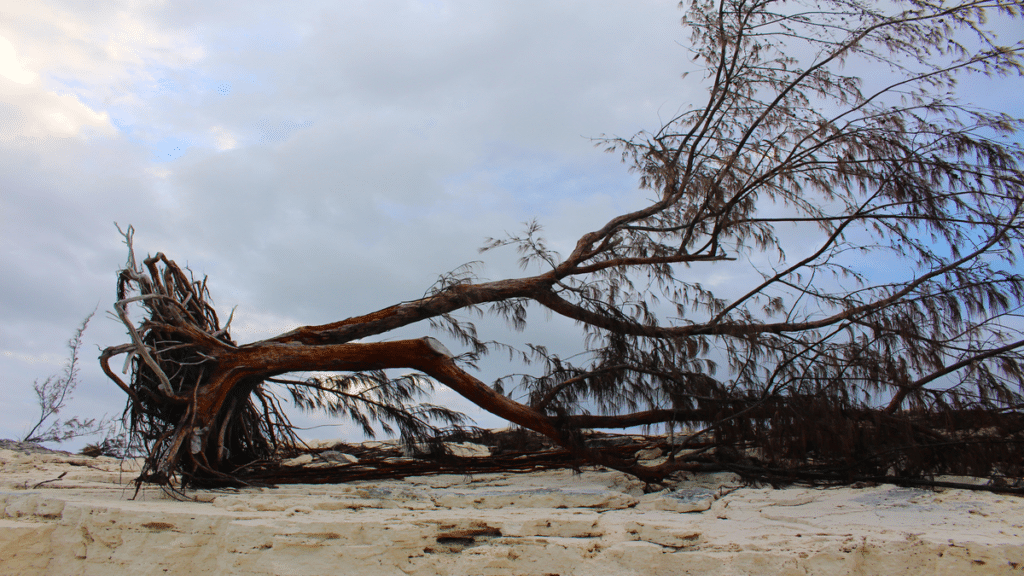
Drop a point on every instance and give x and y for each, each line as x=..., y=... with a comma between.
x=71, y=515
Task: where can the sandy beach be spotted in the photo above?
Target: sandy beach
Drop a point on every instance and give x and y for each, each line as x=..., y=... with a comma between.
x=74, y=515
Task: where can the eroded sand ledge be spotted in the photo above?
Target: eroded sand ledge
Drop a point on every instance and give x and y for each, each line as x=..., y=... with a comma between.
x=545, y=523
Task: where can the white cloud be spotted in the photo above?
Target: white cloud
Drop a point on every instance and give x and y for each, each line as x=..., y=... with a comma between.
x=35, y=111
x=224, y=138
x=11, y=67
x=43, y=114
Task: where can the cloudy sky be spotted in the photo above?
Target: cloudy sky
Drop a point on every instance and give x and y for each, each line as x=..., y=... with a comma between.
x=317, y=160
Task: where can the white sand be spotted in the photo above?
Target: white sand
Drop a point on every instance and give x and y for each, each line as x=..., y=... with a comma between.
x=546, y=523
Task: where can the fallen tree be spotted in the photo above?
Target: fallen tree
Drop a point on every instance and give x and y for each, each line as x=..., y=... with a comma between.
x=831, y=368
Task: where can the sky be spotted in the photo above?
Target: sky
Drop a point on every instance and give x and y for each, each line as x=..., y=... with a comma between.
x=316, y=160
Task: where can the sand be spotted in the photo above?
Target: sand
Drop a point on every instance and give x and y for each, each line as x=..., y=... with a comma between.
x=74, y=515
